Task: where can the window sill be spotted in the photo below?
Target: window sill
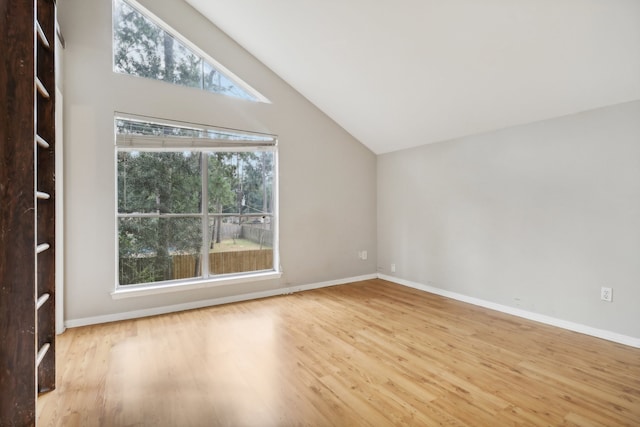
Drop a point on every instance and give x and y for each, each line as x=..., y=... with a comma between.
x=143, y=290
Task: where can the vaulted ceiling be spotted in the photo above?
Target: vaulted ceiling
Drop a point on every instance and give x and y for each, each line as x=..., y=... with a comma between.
x=402, y=73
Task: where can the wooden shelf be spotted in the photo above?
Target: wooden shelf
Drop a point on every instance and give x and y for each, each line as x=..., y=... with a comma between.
x=42, y=247
x=42, y=90
x=42, y=37
x=43, y=298
x=42, y=142
x=42, y=353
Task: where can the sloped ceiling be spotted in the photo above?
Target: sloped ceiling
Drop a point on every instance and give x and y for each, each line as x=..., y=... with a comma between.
x=402, y=73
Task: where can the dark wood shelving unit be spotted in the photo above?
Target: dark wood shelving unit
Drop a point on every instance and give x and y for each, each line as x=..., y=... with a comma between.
x=27, y=207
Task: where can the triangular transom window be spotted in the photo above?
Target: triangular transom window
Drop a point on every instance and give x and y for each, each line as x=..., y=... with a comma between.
x=147, y=47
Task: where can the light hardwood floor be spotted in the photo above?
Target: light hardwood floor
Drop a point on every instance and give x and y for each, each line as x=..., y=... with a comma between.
x=368, y=353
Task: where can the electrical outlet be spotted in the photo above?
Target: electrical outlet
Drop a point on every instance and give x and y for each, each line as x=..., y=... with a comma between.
x=393, y=268
x=364, y=255
x=606, y=294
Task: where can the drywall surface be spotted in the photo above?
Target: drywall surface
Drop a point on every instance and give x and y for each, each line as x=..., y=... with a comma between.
x=537, y=217
x=327, y=178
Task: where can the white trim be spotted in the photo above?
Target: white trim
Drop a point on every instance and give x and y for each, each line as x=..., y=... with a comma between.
x=571, y=326
x=74, y=323
x=59, y=206
x=337, y=282
x=129, y=291
x=536, y=317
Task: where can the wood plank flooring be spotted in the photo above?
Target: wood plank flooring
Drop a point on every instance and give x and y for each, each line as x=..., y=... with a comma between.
x=370, y=353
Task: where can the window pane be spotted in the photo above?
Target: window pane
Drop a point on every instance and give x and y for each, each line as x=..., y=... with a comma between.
x=138, y=43
x=182, y=66
x=240, y=244
x=142, y=48
x=159, y=182
x=215, y=81
x=241, y=182
x=257, y=182
x=158, y=249
x=224, y=188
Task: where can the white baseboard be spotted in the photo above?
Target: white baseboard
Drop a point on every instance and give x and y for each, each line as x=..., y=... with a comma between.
x=576, y=327
x=94, y=320
x=332, y=283
x=548, y=320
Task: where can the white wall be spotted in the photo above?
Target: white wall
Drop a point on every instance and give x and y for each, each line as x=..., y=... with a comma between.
x=537, y=217
x=327, y=178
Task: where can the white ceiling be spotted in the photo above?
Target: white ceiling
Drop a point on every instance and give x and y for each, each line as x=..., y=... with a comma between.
x=402, y=73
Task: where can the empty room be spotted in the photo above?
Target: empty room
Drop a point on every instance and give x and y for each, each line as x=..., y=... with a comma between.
x=307, y=213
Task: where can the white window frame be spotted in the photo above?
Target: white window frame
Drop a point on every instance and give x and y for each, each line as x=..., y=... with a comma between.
x=143, y=143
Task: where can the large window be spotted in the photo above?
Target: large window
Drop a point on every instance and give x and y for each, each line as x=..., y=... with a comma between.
x=194, y=202
x=145, y=46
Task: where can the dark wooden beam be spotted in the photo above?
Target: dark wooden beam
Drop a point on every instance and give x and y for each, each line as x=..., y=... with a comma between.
x=17, y=207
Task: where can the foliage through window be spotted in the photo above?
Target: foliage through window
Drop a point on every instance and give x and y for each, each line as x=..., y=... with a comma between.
x=142, y=47
x=194, y=202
